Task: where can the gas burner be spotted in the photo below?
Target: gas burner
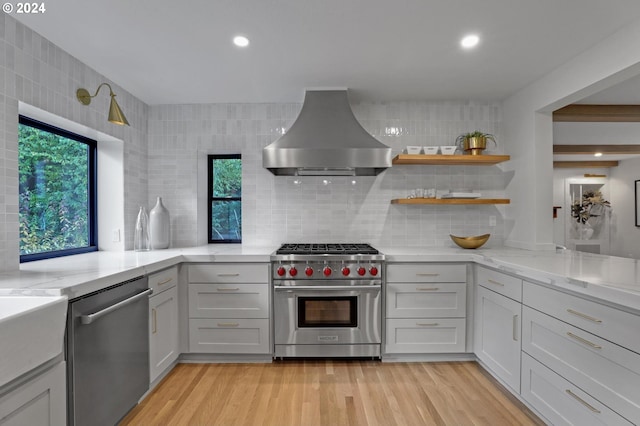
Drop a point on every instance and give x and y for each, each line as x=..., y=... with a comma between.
x=331, y=248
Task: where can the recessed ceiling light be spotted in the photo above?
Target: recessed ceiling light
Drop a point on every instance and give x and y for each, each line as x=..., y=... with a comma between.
x=241, y=41
x=469, y=41
x=597, y=154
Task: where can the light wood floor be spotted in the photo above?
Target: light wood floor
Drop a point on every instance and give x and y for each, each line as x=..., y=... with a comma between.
x=330, y=392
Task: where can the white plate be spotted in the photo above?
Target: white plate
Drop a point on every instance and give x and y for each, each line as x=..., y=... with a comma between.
x=461, y=195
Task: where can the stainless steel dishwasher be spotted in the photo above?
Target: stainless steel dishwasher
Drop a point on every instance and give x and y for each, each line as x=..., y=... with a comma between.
x=107, y=353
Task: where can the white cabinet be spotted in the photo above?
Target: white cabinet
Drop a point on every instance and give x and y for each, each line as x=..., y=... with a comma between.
x=229, y=306
x=425, y=308
x=497, y=335
x=41, y=401
x=163, y=322
x=590, y=345
x=560, y=402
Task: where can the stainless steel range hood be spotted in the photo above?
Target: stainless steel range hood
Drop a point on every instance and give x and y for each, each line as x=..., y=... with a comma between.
x=326, y=140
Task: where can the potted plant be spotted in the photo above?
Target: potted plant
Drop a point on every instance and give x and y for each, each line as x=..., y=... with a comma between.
x=475, y=142
x=588, y=213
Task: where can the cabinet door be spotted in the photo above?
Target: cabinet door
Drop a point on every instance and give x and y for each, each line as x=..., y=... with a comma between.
x=437, y=300
x=229, y=336
x=426, y=335
x=497, y=335
x=42, y=401
x=229, y=300
x=560, y=401
x=163, y=331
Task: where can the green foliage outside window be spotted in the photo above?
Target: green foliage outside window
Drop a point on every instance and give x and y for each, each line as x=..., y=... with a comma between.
x=53, y=191
x=225, y=189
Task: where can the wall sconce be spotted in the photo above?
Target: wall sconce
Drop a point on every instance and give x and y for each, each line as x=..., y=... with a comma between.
x=116, y=116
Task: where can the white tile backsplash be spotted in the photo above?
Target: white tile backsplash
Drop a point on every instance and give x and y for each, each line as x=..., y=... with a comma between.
x=276, y=209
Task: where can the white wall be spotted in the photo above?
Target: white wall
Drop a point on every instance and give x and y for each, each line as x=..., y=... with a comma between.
x=38, y=73
x=625, y=236
x=276, y=210
x=527, y=125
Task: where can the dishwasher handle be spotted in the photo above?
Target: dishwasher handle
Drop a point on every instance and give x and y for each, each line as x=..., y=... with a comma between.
x=88, y=319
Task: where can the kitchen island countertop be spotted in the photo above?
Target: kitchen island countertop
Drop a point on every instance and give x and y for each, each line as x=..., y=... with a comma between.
x=610, y=279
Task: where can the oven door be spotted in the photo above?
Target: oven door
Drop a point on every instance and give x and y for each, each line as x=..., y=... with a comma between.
x=327, y=315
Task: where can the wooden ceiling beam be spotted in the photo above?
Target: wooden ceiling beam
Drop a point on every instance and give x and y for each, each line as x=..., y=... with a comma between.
x=591, y=149
x=598, y=113
x=583, y=164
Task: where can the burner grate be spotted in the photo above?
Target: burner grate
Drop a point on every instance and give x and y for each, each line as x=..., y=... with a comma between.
x=327, y=248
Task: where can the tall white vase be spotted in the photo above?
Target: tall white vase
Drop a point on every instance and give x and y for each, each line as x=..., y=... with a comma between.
x=159, y=226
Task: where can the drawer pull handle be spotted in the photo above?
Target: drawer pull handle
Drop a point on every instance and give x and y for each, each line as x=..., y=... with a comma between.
x=228, y=324
x=431, y=324
x=585, y=341
x=426, y=274
x=583, y=402
x=168, y=280
x=228, y=289
x=155, y=324
x=496, y=283
x=229, y=275
x=515, y=328
x=427, y=289
x=585, y=316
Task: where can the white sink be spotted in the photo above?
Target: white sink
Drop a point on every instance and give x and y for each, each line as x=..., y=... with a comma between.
x=31, y=333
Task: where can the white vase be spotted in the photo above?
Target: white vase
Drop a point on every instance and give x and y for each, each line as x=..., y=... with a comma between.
x=159, y=226
x=141, y=231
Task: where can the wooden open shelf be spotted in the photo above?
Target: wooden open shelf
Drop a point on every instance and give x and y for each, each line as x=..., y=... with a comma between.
x=452, y=160
x=450, y=201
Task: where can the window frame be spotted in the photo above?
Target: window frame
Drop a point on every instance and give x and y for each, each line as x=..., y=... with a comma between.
x=211, y=198
x=92, y=188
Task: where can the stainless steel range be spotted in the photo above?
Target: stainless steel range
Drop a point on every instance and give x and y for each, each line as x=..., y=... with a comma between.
x=327, y=300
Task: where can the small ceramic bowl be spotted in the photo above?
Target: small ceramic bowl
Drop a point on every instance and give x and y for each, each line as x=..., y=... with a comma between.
x=470, y=242
x=413, y=150
x=430, y=150
x=448, y=149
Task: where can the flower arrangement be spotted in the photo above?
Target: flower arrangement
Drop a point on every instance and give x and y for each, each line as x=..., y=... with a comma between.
x=591, y=205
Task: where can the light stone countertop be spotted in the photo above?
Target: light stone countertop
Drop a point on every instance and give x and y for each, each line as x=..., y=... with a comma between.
x=610, y=279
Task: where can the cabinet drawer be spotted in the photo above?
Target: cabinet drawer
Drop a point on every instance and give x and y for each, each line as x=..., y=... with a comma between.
x=609, y=323
x=561, y=402
x=500, y=283
x=605, y=370
x=415, y=300
x=427, y=335
x=163, y=280
x=229, y=336
x=228, y=300
x=426, y=273
x=229, y=273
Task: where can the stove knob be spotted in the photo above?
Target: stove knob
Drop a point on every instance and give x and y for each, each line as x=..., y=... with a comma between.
x=361, y=271
x=281, y=271
x=293, y=271
x=373, y=271
x=326, y=271
x=346, y=271
x=308, y=271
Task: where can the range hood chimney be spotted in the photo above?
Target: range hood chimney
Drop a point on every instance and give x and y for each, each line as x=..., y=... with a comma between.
x=326, y=140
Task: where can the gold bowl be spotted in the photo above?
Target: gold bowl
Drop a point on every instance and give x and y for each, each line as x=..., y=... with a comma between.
x=470, y=242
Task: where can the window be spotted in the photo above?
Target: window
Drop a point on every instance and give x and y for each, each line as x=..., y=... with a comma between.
x=57, y=191
x=225, y=195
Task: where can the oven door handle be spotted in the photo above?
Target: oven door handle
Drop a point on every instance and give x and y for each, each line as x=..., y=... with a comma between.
x=292, y=288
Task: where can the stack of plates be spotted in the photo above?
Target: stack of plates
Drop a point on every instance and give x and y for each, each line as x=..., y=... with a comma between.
x=462, y=195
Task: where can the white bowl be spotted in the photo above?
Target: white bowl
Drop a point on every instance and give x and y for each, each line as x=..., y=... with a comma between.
x=448, y=149
x=413, y=150
x=430, y=150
